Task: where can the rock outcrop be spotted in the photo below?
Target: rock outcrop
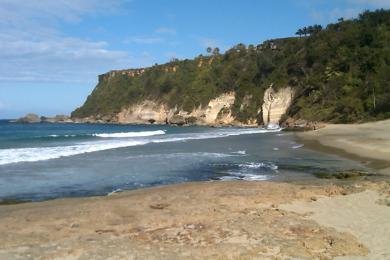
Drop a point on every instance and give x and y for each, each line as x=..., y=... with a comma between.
x=57, y=119
x=301, y=125
x=276, y=103
x=218, y=111
x=29, y=118
x=33, y=118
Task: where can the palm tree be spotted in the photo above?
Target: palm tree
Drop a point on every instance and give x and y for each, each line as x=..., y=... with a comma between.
x=299, y=32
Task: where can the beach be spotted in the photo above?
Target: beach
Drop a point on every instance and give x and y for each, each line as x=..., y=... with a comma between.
x=207, y=220
x=325, y=219
x=368, y=142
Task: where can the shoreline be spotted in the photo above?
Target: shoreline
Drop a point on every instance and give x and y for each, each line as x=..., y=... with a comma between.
x=368, y=143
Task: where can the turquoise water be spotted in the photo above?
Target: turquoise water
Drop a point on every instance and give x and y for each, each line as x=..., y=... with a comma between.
x=47, y=161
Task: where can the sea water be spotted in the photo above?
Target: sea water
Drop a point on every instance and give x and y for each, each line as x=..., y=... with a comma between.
x=46, y=161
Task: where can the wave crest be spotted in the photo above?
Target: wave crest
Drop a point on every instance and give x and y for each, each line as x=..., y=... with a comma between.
x=130, y=134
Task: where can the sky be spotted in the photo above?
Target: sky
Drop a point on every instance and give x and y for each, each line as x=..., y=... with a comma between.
x=51, y=51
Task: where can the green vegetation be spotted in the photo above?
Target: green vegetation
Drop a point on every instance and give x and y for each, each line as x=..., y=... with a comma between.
x=340, y=73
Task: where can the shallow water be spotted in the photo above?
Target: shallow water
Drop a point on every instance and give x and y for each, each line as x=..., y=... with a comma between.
x=46, y=161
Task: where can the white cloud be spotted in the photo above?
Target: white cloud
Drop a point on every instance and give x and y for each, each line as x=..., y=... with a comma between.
x=346, y=13
x=166, y=30
x=21, y=11
x=33, y=49
x=350, y=9
x=144, y=40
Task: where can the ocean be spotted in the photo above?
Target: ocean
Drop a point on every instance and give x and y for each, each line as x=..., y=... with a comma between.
x=47, y=161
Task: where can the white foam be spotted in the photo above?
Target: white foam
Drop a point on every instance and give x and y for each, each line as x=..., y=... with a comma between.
x=181, y=155
x=243, y=152
x=114, y=192
x=15, y=155
x=245, y=177
x=254, y=177
x=297, y=146
x=130, y=134
x=251, y=165
x=62, y=136
x=273, y=126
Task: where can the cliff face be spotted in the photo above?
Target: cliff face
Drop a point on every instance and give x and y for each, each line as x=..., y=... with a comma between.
x=276, y=104
x=217, y=112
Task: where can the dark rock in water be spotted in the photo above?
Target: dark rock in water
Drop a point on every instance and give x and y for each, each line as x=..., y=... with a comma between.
x=177, y=120
x=33, y=118
x=341, y=175
x=29, y=118
x=191, y=120
x=56, y=119
x=12, y=202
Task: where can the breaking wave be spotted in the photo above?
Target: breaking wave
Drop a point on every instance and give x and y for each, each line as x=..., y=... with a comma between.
x=130, y=134
x=114, y=141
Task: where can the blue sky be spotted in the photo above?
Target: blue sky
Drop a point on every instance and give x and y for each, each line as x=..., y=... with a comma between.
x=52, y=51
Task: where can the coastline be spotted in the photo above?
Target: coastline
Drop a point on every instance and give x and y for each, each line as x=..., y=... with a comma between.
x=368, y=143
x=325, y=219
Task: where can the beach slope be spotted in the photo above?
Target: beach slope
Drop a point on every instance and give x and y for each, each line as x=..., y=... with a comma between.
x=369, y=142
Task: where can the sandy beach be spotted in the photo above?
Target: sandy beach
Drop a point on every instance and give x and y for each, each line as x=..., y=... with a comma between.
x=213, y=220
x=369, y=142
x=328, y=219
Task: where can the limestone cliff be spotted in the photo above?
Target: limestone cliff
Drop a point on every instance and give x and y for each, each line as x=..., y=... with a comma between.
x=148, y=111
x=217, y=112
x=276, y=104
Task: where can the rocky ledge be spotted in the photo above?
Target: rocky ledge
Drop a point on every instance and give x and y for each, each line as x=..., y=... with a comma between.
x=34, y=118
x=300, y=125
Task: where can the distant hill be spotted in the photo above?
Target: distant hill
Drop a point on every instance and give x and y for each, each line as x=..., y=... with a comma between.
x=338, y=74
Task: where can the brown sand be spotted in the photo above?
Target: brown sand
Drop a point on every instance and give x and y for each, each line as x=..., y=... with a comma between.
x=369, y=142
x=214, y=220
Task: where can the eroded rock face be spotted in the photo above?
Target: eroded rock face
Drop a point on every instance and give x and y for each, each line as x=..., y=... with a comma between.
x=276, y=104
x=218, y=111
x=144, y=112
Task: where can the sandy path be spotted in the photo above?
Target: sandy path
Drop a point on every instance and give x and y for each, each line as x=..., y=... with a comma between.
x=369, y=140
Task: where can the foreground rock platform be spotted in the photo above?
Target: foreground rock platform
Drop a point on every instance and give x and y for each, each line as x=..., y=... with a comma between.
x=213, y=220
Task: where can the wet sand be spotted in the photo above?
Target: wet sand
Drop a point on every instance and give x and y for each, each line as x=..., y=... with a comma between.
x=209, y=220
x=368, y=143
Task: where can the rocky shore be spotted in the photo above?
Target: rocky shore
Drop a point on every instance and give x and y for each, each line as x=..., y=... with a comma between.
x=214, y=220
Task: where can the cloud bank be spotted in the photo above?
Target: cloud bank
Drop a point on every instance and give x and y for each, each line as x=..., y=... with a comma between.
x=33, y=48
